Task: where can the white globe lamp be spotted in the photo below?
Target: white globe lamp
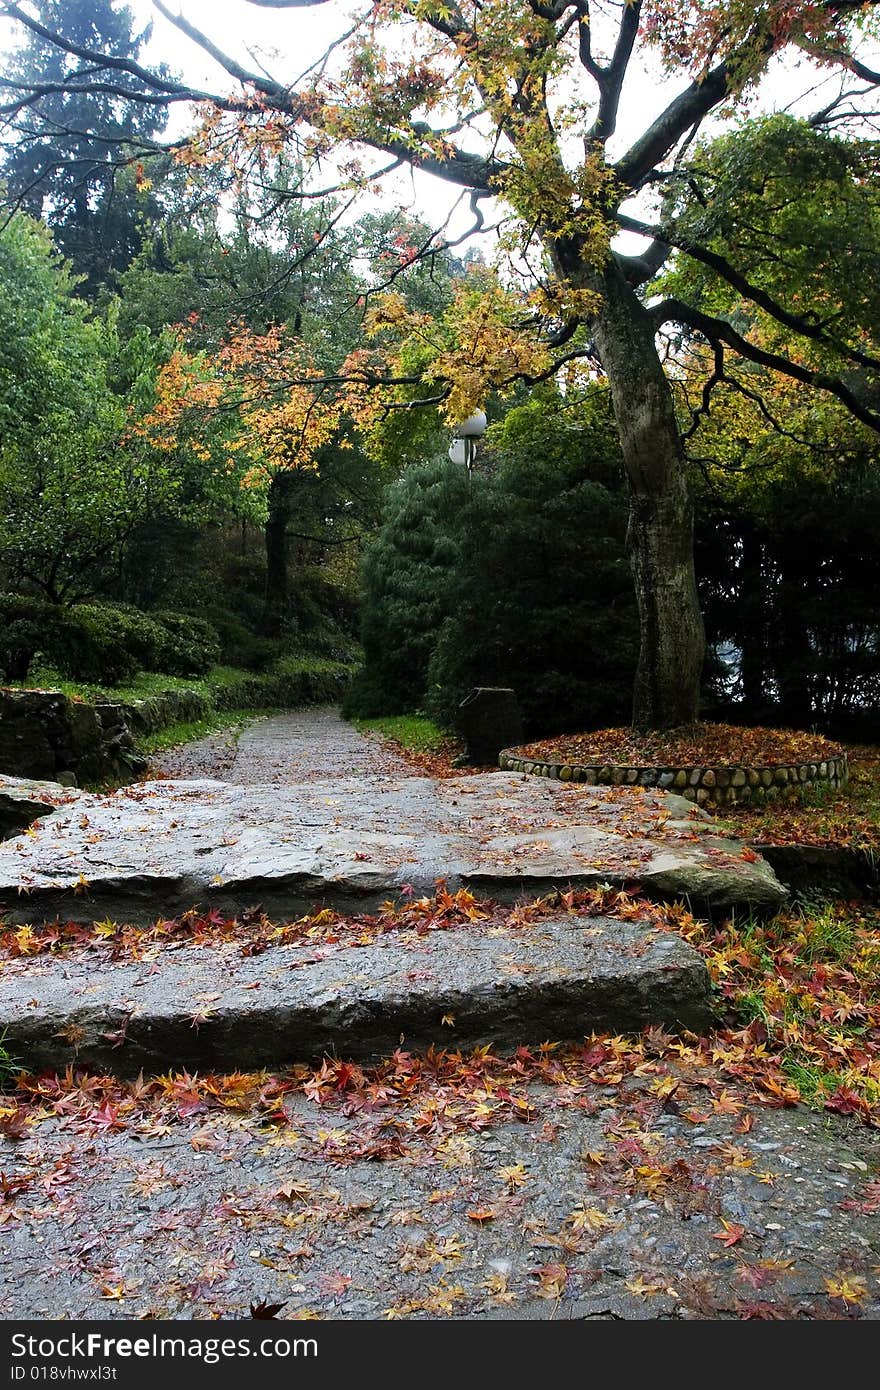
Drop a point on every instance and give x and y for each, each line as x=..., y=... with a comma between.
x=465, y=437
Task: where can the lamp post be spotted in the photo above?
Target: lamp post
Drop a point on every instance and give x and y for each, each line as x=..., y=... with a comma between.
x=464, y=442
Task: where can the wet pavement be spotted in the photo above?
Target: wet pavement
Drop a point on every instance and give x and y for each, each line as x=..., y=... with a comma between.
x=625, y=1179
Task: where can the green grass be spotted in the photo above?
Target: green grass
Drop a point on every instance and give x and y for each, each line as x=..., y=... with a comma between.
x=9, y=1067
x=413, y=731
x=808, y=978
x=145, y=684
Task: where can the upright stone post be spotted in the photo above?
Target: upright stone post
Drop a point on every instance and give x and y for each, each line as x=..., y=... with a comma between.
x=488, y=720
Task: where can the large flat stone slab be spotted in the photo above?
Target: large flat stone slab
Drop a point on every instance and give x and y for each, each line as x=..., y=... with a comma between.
x=213, y=1007
x=155, y=849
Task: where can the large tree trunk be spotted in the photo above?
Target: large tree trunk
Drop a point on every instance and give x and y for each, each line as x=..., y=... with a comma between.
x=660, y=537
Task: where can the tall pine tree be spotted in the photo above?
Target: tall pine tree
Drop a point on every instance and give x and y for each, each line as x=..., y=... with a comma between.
x=67, y=153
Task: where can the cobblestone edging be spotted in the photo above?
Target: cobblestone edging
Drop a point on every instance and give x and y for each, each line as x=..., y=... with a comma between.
x=707, y=786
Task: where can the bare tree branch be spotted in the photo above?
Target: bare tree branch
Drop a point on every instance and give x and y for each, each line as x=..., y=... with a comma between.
x=803, y=326
x=716, y=330
x=611, y=78
x=235, y=69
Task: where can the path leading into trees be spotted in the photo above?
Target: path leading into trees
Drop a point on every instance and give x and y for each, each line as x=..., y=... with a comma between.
x=308, y=814
x=301, y=809
x=299, y=746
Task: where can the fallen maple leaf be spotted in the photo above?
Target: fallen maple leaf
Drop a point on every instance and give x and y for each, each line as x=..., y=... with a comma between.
x=588, y=1219
x=514, y=1175
x=14, y=1124
x=266, y=1310
x=730, y=1235
x=551, y=1280
x=334, y=1283
x=847, y=1287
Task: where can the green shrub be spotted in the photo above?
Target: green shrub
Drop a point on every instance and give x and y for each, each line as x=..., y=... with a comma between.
x=24, y=622
x=192, y=645
x=109, y=644
x=516, y=576
x=409, y=577
x=239, y=645
x=289, y=682
x=92, y=643
x=323, y=605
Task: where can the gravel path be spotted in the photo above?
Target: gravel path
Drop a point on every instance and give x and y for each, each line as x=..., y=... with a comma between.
x=288, y=748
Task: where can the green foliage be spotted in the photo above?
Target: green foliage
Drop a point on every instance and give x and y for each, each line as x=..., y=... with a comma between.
x=408, y=580
x=97, y=644
x=788, y=497
x=796, y=210
x=121, y=641
x=23, y=622
x=516, y=576
x=189, y=645
x=75, y=484
x=101, y=644
x=292, y=680
x=790, y=584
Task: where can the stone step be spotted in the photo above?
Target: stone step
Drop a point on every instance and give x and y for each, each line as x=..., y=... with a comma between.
x=212, y=1008
x=157, y=848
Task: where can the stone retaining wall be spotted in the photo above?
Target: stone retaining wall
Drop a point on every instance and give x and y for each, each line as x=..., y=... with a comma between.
x=45, y=734
x=707, y=786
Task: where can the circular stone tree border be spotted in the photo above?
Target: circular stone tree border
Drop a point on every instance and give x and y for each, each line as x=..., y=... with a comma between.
x=716, y=785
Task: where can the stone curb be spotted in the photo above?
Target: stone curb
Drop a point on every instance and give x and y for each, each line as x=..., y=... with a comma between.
x=721, y=785
x=213, y=1007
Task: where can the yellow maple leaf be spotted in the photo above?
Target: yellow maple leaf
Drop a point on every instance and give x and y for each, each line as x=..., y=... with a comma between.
x=849, y=1287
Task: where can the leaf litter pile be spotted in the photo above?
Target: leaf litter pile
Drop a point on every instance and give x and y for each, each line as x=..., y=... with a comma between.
x=679, y=1175
x=692, y=745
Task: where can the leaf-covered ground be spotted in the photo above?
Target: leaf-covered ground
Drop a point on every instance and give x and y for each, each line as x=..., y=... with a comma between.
x=849, y=818
x=694, y=745
x=799, y=995
x=624, y=1176
x=731, y=1176
x=427, y=749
